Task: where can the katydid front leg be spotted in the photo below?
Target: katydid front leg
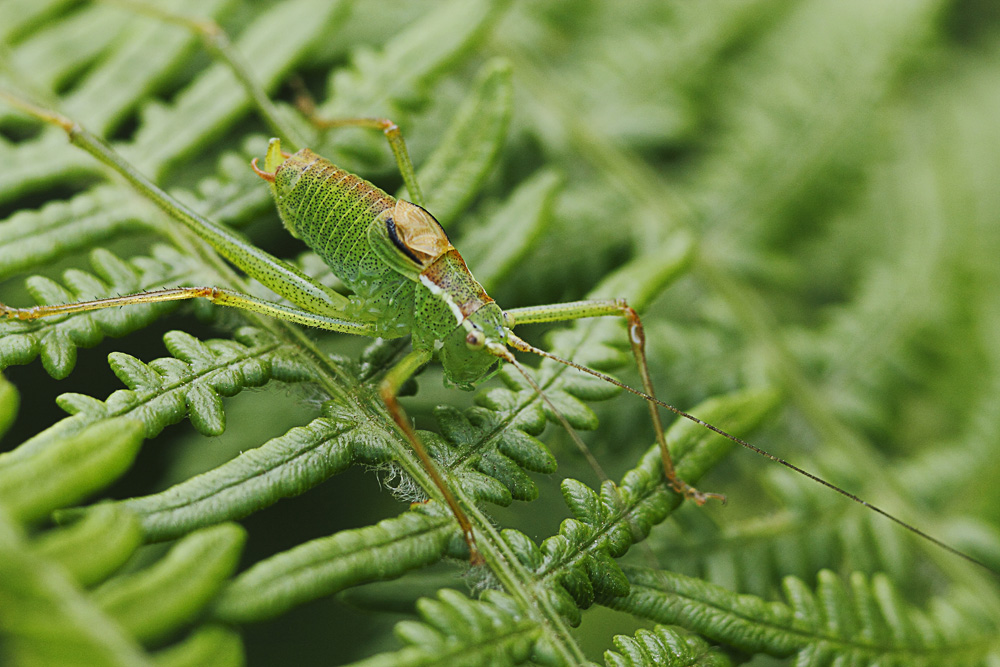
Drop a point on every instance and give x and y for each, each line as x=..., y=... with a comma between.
x=574, y=310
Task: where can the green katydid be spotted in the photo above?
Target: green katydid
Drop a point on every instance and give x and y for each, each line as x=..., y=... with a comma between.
x=406, y=278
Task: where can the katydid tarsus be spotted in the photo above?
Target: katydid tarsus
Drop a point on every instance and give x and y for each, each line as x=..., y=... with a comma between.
x=406, y=279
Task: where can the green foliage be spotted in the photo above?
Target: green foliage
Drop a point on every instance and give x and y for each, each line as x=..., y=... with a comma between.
x=665, y=646
x=459, y=631
x=864, y=623
x=799, y=196
x=36, y=480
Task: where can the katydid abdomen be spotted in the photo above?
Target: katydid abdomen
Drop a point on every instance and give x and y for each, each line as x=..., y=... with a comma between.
x=330, y=210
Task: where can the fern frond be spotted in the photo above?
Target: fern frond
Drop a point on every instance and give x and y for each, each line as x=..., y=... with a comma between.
x=45, y=618
x=190, y=383
x=279, y=468
x=807, y=531
x=208, y=645
x=154, y=602
x=215, y=101
x=865, y=622
x=34, y=238
x=111, y=91
x=86, y=34
x=329, y=565
x=763, y=126
x=503, y=240
x=10, y=400
x=814, y=181
x=577, y=564
x=455, y=172
x=458, y=631
x=94, y=547
x=129, y=72
x=399, y=74
x=665, y=646
x=36, y=479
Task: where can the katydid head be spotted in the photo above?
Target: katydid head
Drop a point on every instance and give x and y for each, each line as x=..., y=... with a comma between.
x=468, y=353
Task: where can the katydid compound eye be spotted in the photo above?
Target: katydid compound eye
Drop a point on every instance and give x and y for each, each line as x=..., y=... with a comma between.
x=476, y=339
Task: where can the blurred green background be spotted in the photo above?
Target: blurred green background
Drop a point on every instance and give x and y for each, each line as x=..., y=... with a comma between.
x=835, y=162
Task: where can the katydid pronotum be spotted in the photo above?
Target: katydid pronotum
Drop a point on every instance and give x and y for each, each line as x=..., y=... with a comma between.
x=406, y=279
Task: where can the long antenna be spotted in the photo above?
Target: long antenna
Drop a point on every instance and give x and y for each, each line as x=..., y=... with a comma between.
x=519, y=344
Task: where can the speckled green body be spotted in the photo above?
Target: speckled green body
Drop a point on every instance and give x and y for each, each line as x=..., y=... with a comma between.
x=331, y=210
x=345, y=219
